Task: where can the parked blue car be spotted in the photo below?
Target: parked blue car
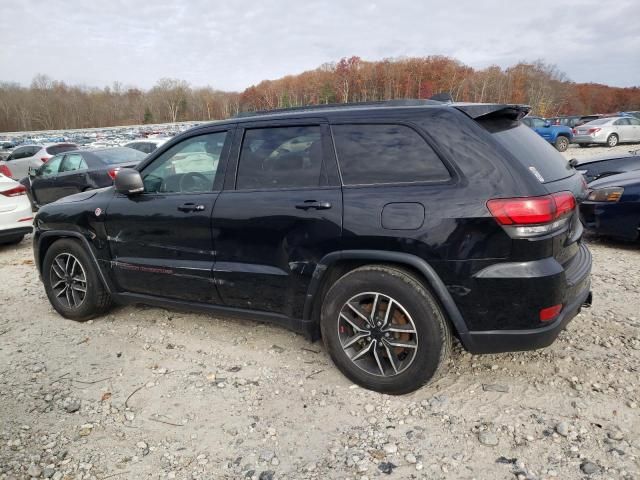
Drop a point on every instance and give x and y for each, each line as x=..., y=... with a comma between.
x=559, y=136
x=612, y=206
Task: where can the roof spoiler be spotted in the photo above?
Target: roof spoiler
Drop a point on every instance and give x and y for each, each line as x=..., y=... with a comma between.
x=492, y=110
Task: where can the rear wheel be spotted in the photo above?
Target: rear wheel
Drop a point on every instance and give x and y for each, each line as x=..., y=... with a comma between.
x=612, y=140
x=562, y=143
x=72, y=283
x=384, y=330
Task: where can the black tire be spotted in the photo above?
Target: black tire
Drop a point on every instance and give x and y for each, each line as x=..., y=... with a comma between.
x=612, y=140
x=432, y=334
x=96, y=299
x=562, y=143
x=12, y=240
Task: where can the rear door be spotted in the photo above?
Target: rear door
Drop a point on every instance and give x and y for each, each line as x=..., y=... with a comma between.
x=624, y=129
x=280, y=213
x=160, y=240
x=635, y=125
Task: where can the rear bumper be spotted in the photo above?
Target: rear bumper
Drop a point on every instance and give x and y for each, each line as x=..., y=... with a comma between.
x=549, y=283
x=14, y=232
x=498, y=341
x=586, y=139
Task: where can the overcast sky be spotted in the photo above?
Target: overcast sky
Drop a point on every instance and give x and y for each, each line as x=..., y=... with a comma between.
x=231, y=45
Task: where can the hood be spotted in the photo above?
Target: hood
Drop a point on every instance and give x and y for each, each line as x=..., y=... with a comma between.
x=619, y=180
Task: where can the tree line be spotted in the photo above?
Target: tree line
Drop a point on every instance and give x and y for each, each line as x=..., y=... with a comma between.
x=50, y=104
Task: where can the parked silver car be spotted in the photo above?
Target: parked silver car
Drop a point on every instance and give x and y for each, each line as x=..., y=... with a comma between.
x=608, y=131
x=27, y=156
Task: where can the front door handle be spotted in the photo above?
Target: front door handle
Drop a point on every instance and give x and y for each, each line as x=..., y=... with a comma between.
x=315, y=204
x=191, y=207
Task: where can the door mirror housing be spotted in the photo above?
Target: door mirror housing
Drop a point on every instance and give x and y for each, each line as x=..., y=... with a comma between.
x=129, y=182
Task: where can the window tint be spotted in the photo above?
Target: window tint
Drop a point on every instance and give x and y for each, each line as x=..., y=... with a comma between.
x=537, y=123
x=622, y=121
x=32, y=151
x=282, y=157
x=189, y=166
x=370, y=154
x=51, y=167
x=72, y=162
x=526, y=146
x=56, y=149
x=634, y=121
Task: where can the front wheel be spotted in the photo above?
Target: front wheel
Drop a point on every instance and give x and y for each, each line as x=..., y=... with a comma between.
x=72, y=283
x=562, y=143
x=384, y=329
x=612, y=140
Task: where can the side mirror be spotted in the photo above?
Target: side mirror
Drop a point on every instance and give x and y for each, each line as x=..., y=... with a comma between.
x=573, y=163
x=129, y=182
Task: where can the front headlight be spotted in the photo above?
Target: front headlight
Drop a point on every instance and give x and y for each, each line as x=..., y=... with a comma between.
x=608, y=194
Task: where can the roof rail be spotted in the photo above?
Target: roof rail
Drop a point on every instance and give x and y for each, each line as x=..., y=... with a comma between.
x=404, y=102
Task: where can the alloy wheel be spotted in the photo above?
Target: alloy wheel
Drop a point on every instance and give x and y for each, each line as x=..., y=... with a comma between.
x=377, y=334
x=68, y=280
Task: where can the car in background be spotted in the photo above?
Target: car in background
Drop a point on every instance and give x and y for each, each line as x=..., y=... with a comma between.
x=76, y=171
x=573, y=121
x=603, y=166
x=609, y=131
x=612, y=207
x=15, y=211
x=558, y=135
x=28, y=156
x=147, y=145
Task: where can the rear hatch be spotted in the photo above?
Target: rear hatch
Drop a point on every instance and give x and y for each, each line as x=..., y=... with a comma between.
x=550, y=174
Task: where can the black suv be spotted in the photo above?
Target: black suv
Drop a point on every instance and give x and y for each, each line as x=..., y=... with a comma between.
x=385, y=229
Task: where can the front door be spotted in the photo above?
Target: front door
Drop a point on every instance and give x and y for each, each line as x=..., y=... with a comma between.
x=44, y=182
x=160, y=240
x=282, y=215
x=72, y=176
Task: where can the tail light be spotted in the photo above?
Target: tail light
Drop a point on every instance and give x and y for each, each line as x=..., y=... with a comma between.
x=532, y=216
x=44, y=159
x=550, y=313
x=573, y=130
x=4, y=170
x=593, y=131
x=15, y=192
x=113, y=172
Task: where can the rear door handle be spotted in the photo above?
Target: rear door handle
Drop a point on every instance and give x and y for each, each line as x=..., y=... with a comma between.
x=314, y=204
x=191, y=207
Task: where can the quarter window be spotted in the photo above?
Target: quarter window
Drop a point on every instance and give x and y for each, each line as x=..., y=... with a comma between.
x=189, y=166
x=370, y=154
x=281, y=157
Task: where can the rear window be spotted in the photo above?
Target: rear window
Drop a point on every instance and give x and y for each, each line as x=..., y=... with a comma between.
x=371, y=154
x=56, y=149
x=536, y=154
x=119, y=155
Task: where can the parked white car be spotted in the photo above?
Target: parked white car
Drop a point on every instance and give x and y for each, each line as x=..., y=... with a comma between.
x=26, y=156
x=608, y=131
x=16, y=217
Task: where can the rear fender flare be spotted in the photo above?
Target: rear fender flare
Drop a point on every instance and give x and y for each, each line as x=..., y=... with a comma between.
x=429, y=275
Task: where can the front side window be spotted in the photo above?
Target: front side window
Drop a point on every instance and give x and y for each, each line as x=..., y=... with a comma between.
x=51, y=167
x=188, y=167
x=72, y=162
x=622, y=121
x=281, y=157
x=370, y=154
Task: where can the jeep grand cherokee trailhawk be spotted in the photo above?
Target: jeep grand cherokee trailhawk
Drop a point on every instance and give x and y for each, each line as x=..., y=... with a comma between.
x=382, y=228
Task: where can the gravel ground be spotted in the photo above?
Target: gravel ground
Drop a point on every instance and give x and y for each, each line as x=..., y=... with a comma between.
x=150, y=393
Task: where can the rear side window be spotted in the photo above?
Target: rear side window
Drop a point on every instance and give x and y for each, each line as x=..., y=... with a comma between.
x=119, y=155
x=281, y=157
x=371, y=154
x=56, y=149
x=536, y=154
